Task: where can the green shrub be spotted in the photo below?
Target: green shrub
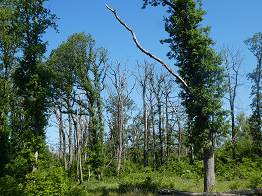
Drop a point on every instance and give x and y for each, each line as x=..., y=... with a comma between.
x=255, y=181
x=130, y=167
x=183, y=169
x=51, y=181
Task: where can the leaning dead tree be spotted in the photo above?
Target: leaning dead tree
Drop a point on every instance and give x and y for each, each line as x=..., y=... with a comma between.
x=181, y=80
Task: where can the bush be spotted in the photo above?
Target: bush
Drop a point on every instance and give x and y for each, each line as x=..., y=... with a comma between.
x=183, y=169
x=130, y=167
x=51, y=181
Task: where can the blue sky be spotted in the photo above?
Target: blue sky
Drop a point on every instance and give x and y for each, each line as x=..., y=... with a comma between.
x=231, y=21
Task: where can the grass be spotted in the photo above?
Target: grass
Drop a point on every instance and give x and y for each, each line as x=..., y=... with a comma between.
x=148, y=184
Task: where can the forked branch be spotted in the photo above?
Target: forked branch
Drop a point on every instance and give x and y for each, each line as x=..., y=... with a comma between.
x=145, y=51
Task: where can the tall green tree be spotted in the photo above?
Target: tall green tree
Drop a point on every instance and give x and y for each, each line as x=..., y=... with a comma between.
x=9, y=43
x=255, y=46
x=199, y=66
x=31, y=80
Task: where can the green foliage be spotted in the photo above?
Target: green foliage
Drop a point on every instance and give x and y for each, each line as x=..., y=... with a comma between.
x=9, y=186
x=157, y=180
x=130, y=167
x=9, y=41
x=255, y=180
x=247, y=168
x=78, y=64
x=255, y=46
x=50, y=181
x=143, y=182
x=183, y=169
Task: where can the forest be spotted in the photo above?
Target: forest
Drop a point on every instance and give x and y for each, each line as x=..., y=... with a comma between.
x=161, y=129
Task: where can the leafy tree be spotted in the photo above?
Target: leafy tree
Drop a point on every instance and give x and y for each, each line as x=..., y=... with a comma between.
x=9, y=43
x=31, y=81
x=255, y=46
x=199, y=66
x=83, y=69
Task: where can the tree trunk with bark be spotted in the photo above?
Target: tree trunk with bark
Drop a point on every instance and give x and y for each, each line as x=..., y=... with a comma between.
x=62, y=136
x=160, y=132
x=209, y=170
x=120, y=134
x=78, y=148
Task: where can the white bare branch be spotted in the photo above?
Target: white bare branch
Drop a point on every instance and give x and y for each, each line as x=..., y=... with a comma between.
x=145, y=51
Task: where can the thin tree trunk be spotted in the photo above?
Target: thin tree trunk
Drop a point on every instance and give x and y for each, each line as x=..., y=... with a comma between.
x=160, y=126
x=70, y=137
x=62, y=137
x=258, y=93
x=152, y=115
x=168, y=131
x=179, y=140
x=145, y=125
x=36, y=160
x=120, y=133
x=63, y=140
x=78, y=150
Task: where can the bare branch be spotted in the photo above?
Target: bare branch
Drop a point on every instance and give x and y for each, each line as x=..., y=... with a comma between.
x=145, y=51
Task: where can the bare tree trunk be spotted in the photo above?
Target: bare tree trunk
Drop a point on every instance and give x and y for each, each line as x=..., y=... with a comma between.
x=64, y=146
x=209, y=165
x=152, y=115
x=168, y=131
x=36, y=160
x=120, y=133
x=154, y=142
x=159, y=110
x=70, y=136
x=145, y=122
x=62, y=136
x=179, y=139
x=78, y=149
x=209, y=170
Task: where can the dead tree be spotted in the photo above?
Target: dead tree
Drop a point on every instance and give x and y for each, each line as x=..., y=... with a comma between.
x=166, y=92
x=158, y=92
x=119, y=103
x=232, y=60
x=143, y=80
x=152, y=119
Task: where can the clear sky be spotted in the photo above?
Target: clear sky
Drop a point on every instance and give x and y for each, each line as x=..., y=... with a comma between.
x=231, y=21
